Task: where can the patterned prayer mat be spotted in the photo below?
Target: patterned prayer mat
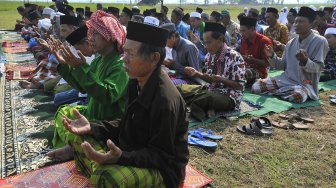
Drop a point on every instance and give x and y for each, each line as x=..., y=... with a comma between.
x=19, y=71
x=25, y=122
x=66, y=175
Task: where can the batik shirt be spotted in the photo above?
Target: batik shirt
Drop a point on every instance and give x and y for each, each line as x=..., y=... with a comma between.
x=230, y=65
x=280, y=33
x=330, y=62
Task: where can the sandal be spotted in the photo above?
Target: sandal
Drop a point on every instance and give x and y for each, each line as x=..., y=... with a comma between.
x=198, y=140
x=262, y=122
x=289, y=125
x=206, y=133
x=333, y=101
x=297, y=117
x=254, y=129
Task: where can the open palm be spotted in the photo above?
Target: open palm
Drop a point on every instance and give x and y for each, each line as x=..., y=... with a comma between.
x=78, y=126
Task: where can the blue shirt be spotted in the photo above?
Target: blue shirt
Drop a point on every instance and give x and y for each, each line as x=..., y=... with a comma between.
x=182, y=29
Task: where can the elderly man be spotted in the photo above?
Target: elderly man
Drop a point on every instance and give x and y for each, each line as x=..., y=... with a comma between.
x=148, y=147
x=303, y=59
x=252, y=49
x=225, y=75
x=276, y=31
x=187, y=55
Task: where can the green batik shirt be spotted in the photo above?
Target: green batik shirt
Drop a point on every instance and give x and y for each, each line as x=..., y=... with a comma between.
x=104, y=81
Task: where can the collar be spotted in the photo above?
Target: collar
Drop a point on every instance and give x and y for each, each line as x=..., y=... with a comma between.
x=146, y=95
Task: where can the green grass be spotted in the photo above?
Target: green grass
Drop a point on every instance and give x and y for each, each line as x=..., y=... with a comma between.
x=287, y=159
x=9, y=15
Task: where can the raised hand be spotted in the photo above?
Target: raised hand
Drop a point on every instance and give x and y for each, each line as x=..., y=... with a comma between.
x=111, y=157
x=302, y=56
x=75, y=60
x=193, y=38
x=78, y=126
x=42, y=42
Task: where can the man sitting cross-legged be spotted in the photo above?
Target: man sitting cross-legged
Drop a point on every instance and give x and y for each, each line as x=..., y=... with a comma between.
x=148, y=147
x=303, y=59
x=225, y=75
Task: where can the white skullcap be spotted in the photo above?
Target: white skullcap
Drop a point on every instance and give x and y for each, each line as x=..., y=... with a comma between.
x=195, y=15
x=48, y=11
x=135, y=7
x=331, y=31
x=150, y=20
x=44, y=23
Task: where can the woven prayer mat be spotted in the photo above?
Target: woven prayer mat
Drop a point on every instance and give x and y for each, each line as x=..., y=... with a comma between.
x=14, y=50
x=6, y=36
x=19, y=71
x=27, y=132
x=25, y=57
x=66, y=175
x=14, y=43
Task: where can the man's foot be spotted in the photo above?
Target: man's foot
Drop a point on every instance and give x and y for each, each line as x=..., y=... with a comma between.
x=65, y=153
x=211, y=113
x=26, y=85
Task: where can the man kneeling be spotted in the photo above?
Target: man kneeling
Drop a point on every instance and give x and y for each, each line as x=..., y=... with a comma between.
x=303, y=59
x=148, y=147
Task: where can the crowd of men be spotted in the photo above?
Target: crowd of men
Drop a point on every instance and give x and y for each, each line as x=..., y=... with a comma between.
x=123, y=80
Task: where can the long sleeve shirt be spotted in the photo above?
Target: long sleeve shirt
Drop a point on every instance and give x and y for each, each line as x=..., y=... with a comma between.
x=153, y=132
x=279, y=33
x=104, y=81
x=307, y=76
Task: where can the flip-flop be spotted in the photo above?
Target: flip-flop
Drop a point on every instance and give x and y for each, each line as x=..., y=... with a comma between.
x=206, y=133
x=333, y=101
x=301, y=126
x=254, y=129
x=281, y=124
x=332, y=96
x=197, y=140
x=289, y=125
x=297, y=117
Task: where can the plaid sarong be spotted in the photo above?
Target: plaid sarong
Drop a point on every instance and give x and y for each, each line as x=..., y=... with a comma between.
x=294, y=93
x=112, y=175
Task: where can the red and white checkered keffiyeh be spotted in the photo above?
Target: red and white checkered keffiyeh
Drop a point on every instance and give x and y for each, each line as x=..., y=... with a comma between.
x=108, y=26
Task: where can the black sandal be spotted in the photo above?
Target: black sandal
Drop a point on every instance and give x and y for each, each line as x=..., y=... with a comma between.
x=255, y=128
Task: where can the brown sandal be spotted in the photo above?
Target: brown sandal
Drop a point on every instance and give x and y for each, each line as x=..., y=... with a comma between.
x=297, y=117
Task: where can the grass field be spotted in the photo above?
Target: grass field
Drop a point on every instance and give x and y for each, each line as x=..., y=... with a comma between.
x=287, y=159
x=9, y=15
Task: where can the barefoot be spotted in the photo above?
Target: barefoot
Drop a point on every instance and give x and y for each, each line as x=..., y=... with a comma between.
x=211, y=113
x=65, y=153
x=26, y=85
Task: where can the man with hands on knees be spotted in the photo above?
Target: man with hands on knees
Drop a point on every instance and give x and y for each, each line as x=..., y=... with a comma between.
x=225, y=76
x=302, y=60
x=148, y=146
